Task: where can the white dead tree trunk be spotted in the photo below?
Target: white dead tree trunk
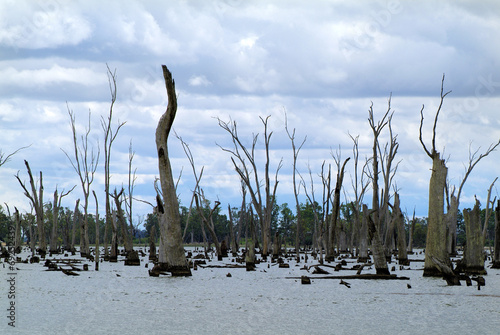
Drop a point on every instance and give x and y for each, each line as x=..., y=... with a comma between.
x=168, y=207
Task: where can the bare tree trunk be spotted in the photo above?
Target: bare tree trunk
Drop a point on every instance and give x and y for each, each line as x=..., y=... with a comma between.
x=55, y=218
x=451, y=226
x=234, y=248
x=473, y=261
x=363, y=256
x=435, y=246
x=411, y=231
x=330, y=252
x=113, y=256
x=17, y=234
x=96, y=232
x=76, y=219
x=496, y=255
x=208, y=222
x=436, y=252
x=377, y=247
x=36, y=199
x=168, y=208
x=399, y=219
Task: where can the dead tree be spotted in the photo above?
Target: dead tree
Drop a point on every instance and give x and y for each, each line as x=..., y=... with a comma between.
x=473, y=261
x=85, y=165
x=96, y=232
x=122, y=221
x=411, y=231
x=496, y=255
x=76, y=220
x=332, y=225
x=56, y=206
x=36, y=199
x=248, y=173
x=454, y=201
x=379, y=209
x=109, y=137
x=208, y=221
x=359, y=187
x=17, y=234
x=435, y=248
x=399, y=222
x=168, y=208
x=131, y=185
x=295, y=151
x=320, y=221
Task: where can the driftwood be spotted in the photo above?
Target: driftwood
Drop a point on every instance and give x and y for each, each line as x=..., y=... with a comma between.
x=362, y=276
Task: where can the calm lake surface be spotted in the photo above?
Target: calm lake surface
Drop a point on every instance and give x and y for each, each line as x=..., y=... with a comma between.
x=120, y=299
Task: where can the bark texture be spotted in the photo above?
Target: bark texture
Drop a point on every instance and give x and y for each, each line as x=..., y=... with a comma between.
x=473, y=261
x=435, y=245
x=168, y=209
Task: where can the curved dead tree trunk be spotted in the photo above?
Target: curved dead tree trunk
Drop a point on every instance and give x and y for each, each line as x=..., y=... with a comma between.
x=168, y=208
x=435, y=249
x=56, y=206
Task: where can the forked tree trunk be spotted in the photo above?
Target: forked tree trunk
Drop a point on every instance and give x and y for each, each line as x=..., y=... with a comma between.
x=330, y=252
x=435, y=246
x=168, y=209
x=496, y=255
x=377, y=247
x=473, y=261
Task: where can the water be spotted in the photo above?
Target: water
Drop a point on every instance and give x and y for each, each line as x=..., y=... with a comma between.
x=125, y=300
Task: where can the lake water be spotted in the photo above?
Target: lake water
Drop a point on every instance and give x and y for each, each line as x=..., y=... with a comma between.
x=120, y=299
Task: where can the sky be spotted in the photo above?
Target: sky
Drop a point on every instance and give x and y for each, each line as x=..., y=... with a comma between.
x=320, y=65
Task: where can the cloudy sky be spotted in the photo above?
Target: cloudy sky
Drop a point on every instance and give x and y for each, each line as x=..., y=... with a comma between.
x=323, y=62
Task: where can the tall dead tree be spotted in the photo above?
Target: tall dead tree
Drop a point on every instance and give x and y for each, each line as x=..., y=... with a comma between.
x=85, y=165
x=248, y=173
x=109, y=137
x=168, y=208
x=36, y=199
x=378, y=213
x=295, y=151
x=436, y=252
